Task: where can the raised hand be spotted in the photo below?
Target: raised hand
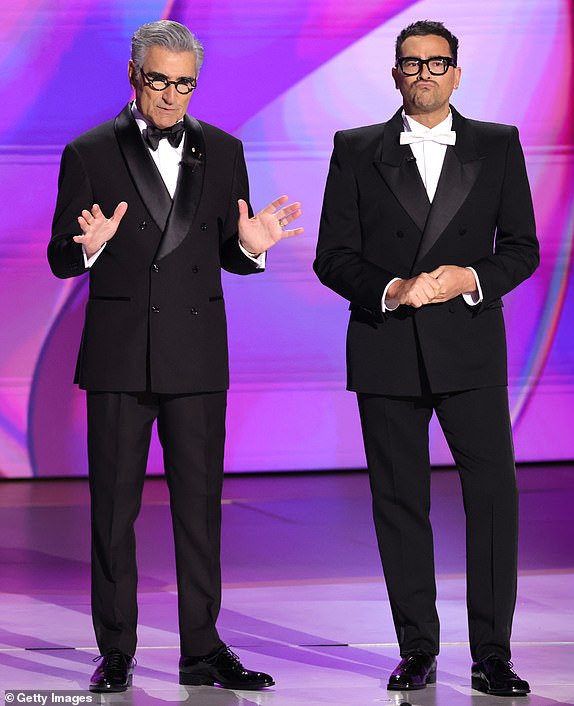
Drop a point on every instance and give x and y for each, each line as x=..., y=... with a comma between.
x=264, y=229
x=97, y=229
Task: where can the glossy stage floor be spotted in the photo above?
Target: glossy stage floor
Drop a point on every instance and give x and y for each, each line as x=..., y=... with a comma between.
x=303, y=595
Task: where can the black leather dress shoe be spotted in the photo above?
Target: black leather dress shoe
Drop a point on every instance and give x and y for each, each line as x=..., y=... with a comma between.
x=114, y=673
x=220, y=667
x=414, y=671
x=495, y=676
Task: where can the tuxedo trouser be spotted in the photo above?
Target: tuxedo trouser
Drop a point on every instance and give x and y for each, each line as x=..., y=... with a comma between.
x=191, y=430
x=476, y=424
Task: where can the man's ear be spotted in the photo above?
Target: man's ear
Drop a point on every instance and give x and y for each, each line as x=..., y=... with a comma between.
x=132, y=73
x=457, y=75
x=395, y=76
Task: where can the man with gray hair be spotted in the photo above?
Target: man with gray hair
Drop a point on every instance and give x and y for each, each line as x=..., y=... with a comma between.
x=152, y=205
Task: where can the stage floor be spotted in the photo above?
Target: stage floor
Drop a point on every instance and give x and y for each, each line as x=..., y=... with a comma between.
x=303, y=594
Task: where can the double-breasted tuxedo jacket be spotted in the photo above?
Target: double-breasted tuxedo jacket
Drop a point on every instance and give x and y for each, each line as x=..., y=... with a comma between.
x=155, y=316
x=377, y=223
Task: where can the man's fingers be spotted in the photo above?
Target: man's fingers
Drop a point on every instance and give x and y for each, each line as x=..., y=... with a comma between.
x=274, y=205
x=430, y=281
x=290, y=209
x=83, y=223
x=285, y=217
x=243, y=209
x=120, y=212
x=292, y=232
x=96, y=228
x=425, y=288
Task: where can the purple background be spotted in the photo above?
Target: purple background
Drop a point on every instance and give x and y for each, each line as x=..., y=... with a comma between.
x=282, y=77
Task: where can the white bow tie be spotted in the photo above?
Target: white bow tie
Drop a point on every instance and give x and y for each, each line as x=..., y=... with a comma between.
x=448, y=137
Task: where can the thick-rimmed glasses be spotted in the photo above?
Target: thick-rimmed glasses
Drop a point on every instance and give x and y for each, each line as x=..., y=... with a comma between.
x=159, y=82
x=437, y=65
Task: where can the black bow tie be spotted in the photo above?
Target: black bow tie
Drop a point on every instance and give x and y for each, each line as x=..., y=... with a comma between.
x=174, y=134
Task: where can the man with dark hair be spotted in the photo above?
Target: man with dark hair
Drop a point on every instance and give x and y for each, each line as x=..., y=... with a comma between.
x=427, y=222
x=423, y=28
x=154, y=345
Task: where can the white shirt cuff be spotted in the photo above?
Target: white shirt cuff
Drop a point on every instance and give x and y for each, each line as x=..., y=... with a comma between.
x=259, y=260
x=476, y=297
x=388, y=304
x=89, y=261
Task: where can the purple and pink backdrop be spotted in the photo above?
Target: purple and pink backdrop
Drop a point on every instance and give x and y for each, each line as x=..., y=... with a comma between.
x=282, y=77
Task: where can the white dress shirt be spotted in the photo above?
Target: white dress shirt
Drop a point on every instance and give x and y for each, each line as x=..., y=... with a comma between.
x=429, y=157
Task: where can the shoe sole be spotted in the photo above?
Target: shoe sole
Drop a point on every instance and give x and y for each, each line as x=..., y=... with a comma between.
x=199, y=680
x=431, y=679
x=479, y=685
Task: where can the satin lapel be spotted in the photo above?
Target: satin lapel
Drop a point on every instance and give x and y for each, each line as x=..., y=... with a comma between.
x=142, y=168
x=396, y=164
x=189, y=187
x=460, y=170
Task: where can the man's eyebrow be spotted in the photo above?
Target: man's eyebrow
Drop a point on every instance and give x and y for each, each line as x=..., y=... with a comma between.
x=180, y=78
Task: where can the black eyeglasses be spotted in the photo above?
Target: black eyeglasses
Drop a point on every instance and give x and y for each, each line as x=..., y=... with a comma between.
x=437, y=65
x=159, y=82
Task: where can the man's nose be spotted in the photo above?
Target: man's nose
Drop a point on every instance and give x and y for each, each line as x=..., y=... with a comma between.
x=425, y=74
x=169, y=94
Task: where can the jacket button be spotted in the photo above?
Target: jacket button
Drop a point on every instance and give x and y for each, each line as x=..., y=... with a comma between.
x=400, y=234
x=155, y=267
x=195, y=269
x=155, y=309
x=203, y=226
x=462, y=231
x=142, y=225
x=194, y=311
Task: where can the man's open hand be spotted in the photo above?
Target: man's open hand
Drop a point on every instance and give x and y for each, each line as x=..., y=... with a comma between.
x=97, y=229
x=264, y=229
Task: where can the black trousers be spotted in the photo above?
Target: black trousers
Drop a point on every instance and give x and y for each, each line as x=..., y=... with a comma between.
x=476, y=424
x=191, y=429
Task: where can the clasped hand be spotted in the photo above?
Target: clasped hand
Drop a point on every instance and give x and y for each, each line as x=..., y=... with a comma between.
x=440, y=285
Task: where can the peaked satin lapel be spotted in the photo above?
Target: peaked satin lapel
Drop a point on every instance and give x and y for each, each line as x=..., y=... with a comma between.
x=142, y=169
x=459, y=172
x=189, y=187
x=396, y=164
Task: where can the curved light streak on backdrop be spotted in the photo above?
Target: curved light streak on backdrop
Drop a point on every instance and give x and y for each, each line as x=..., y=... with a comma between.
x=283, y=79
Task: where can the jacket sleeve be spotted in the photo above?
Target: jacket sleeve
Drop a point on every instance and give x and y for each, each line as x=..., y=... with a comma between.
x=339, y=262
x=66, y=257
x=232, y=257
x=516, y=251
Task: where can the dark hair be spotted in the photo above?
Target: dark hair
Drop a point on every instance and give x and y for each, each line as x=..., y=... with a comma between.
x=423, y=28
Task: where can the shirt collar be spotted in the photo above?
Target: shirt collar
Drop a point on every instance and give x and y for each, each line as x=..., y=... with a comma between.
x=411, y=125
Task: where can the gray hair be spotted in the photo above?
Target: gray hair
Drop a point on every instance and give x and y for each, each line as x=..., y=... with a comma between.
x=168, y=34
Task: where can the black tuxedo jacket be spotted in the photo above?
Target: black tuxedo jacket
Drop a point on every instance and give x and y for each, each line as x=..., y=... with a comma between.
x=377, y=223
x=155, y=317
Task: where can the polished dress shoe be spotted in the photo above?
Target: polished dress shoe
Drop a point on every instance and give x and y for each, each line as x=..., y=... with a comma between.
x=495, y=676
x=114, y=673
x=220, y=667
x=414, y=671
